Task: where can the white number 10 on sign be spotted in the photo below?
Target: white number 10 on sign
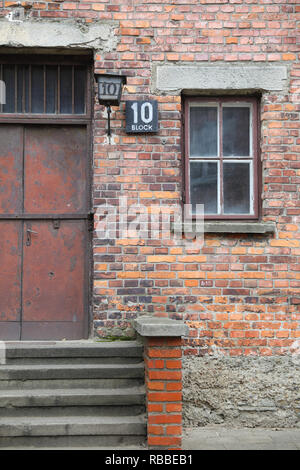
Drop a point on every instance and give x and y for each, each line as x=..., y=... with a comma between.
x=141, y=116
x=146, y=112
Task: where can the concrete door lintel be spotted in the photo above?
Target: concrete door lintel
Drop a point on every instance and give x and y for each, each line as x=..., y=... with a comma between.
x=56, y=34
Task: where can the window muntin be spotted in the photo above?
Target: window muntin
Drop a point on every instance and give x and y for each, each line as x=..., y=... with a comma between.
x=44, y=88
x=222, y=131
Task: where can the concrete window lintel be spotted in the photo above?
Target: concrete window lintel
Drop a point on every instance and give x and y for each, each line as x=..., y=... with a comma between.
x=157, y=326
x=176, y=78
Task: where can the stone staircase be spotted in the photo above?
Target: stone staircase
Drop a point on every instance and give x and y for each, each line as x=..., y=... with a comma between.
x=73, y=394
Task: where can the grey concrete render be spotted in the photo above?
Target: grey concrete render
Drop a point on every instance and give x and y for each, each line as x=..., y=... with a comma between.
x=154, y=326
x=175, y=78
x=237, y=392
x=218, y=438
x=57, y=34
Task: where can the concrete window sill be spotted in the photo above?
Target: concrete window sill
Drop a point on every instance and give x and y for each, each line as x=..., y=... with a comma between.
x=236, y=227
x=239, y=227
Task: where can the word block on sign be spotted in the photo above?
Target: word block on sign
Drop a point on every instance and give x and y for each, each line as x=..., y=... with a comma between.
x=141, y=116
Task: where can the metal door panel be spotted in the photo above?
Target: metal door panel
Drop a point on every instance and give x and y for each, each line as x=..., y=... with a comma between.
x=44, y=331
x=55, y=170
x=10, y=330
x=10, y=270
x=43, y=270
x=54, y=271
x=11, y=169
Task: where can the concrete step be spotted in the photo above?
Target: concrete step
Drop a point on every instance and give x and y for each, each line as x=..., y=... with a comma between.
x=71, y=360
x=51, y=411
x=72, y=371
x=104, y=383
x=79, y=349
x=73, y=426
x=74, y=397
x=73, y=442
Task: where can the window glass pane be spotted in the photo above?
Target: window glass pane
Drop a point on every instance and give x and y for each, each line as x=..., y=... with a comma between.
x=37, y=89
x=9, y=80
x=204, y=131
x=236, y=187
x=79, y=89
x=51, y=88
x=204, y=186
x=66, y=89
x=20, y=89
x=236, y=131
x=26, y=71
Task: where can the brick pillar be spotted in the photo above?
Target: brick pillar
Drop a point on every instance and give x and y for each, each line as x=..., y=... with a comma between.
x=163, y=380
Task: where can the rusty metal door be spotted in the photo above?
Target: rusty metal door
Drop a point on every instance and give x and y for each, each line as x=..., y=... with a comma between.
x=44, y=239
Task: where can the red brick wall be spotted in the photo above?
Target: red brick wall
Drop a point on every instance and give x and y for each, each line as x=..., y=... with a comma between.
x=251, y=305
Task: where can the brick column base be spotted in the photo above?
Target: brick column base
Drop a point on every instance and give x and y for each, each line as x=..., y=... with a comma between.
x=163, y=380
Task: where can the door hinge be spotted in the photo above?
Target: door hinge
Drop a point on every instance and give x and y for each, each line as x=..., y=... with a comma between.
x=90, y=221
x=56, y=224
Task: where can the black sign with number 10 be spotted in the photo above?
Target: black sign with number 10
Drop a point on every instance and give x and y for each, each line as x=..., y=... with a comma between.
x=141, y=117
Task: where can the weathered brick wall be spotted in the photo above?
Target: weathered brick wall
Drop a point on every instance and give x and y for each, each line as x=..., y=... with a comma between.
x=250, y=303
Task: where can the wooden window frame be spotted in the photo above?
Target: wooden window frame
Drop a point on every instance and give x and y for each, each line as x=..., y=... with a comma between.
x=256, y=172
x=58, y=60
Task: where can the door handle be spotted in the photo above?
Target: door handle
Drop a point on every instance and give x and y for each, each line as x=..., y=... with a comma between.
x=28, y=235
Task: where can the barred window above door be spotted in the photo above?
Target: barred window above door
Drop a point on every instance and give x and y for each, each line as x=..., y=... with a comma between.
x=44, y=88
x=221, y=156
